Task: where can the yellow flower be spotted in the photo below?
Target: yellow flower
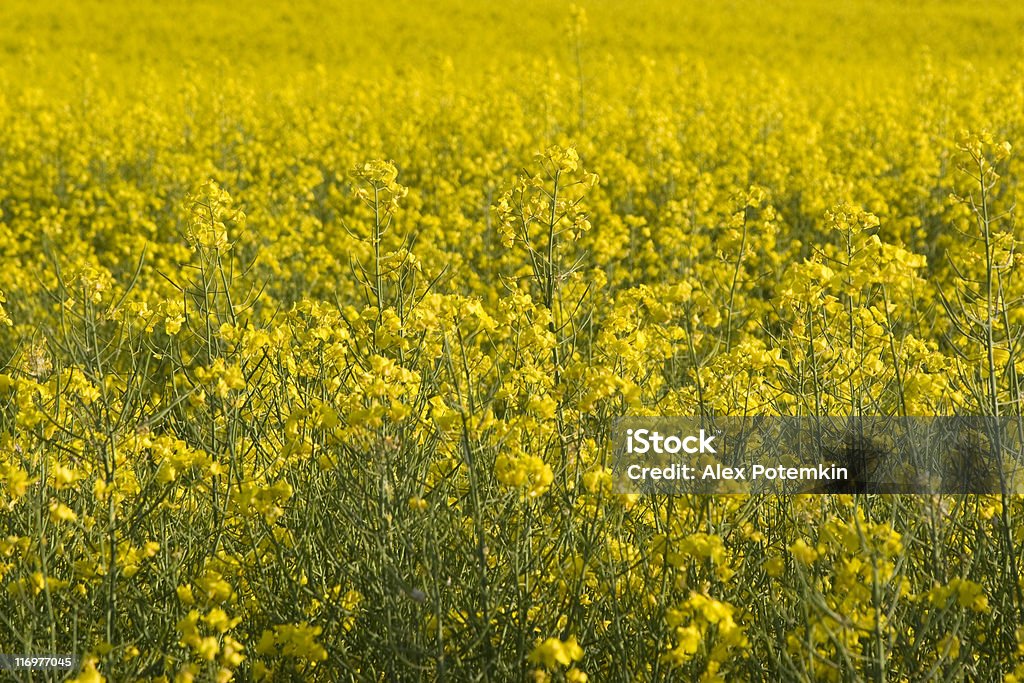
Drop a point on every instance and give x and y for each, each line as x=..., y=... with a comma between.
x=553, y=652
x=184, y=594
x=527, y=471
x=804, y=553
x=574, y=675
x=59, y=512
x=15, y=480
x=4, y=318
x=775, y=566
x=89, y=673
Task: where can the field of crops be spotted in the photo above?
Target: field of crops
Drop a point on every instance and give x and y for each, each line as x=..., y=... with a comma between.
x=315, y=318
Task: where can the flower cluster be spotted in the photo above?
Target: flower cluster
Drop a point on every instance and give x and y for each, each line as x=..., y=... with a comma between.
x=311, y=350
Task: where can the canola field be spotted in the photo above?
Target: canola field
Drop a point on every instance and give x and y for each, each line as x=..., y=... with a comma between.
x=315, y=318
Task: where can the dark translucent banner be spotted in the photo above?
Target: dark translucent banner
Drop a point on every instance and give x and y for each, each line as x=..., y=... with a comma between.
x=790, y=455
